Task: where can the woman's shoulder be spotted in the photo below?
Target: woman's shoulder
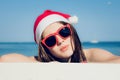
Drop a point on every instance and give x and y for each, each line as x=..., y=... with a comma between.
x=90, y=52
x=87, y=53
x=98, y=55
x=16, y=57
x=96, y=51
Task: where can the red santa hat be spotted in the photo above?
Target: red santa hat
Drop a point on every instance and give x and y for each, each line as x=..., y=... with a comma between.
x=49, y=17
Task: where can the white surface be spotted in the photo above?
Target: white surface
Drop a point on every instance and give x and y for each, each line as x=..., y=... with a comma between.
x=59, y=71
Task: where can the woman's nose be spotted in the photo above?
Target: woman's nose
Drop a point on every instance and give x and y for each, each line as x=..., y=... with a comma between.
x=59, y=40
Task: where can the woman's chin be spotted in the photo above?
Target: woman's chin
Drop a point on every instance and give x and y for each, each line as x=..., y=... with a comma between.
x=66, y=56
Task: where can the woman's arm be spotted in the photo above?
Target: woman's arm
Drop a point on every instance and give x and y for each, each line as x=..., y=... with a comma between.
x=100, y=55
x=14, y=57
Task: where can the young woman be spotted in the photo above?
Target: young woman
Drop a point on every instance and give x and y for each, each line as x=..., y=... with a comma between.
x=58, y=41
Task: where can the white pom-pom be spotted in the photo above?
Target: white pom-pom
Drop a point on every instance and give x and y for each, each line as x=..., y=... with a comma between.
x=73, y=19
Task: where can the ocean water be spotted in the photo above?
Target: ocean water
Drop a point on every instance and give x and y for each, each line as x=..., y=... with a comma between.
x=25, y=48
x=31, y=48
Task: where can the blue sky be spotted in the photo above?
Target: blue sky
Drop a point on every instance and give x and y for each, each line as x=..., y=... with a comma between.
x=98, y=19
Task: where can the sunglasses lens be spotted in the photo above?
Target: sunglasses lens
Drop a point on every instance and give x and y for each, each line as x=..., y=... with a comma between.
x=51, y=41
x=65, y=32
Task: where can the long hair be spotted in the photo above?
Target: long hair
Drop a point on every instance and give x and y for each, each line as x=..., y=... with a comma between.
x=78, y=54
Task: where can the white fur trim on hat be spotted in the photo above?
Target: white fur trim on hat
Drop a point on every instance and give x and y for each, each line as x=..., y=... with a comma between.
x=73, y=19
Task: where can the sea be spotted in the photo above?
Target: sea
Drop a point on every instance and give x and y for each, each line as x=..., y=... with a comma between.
x=31, y=48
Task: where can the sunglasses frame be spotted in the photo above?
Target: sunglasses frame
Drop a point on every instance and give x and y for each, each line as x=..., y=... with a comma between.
x=56, y=33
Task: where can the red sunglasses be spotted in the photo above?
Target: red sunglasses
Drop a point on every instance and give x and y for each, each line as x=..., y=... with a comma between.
x=51, y=40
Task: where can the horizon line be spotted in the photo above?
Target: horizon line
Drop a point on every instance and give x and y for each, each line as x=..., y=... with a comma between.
x=81, y=42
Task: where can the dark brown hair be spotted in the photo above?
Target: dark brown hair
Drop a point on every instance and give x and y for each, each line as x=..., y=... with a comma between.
x=78, y=54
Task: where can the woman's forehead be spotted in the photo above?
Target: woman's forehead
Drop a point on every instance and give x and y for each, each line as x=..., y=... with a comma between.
x=52, y=28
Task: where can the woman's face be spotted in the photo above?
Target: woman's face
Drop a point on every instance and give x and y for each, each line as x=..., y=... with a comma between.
x=63, y=47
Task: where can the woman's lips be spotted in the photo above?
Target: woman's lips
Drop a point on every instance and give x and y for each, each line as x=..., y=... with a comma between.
x=64, y=48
